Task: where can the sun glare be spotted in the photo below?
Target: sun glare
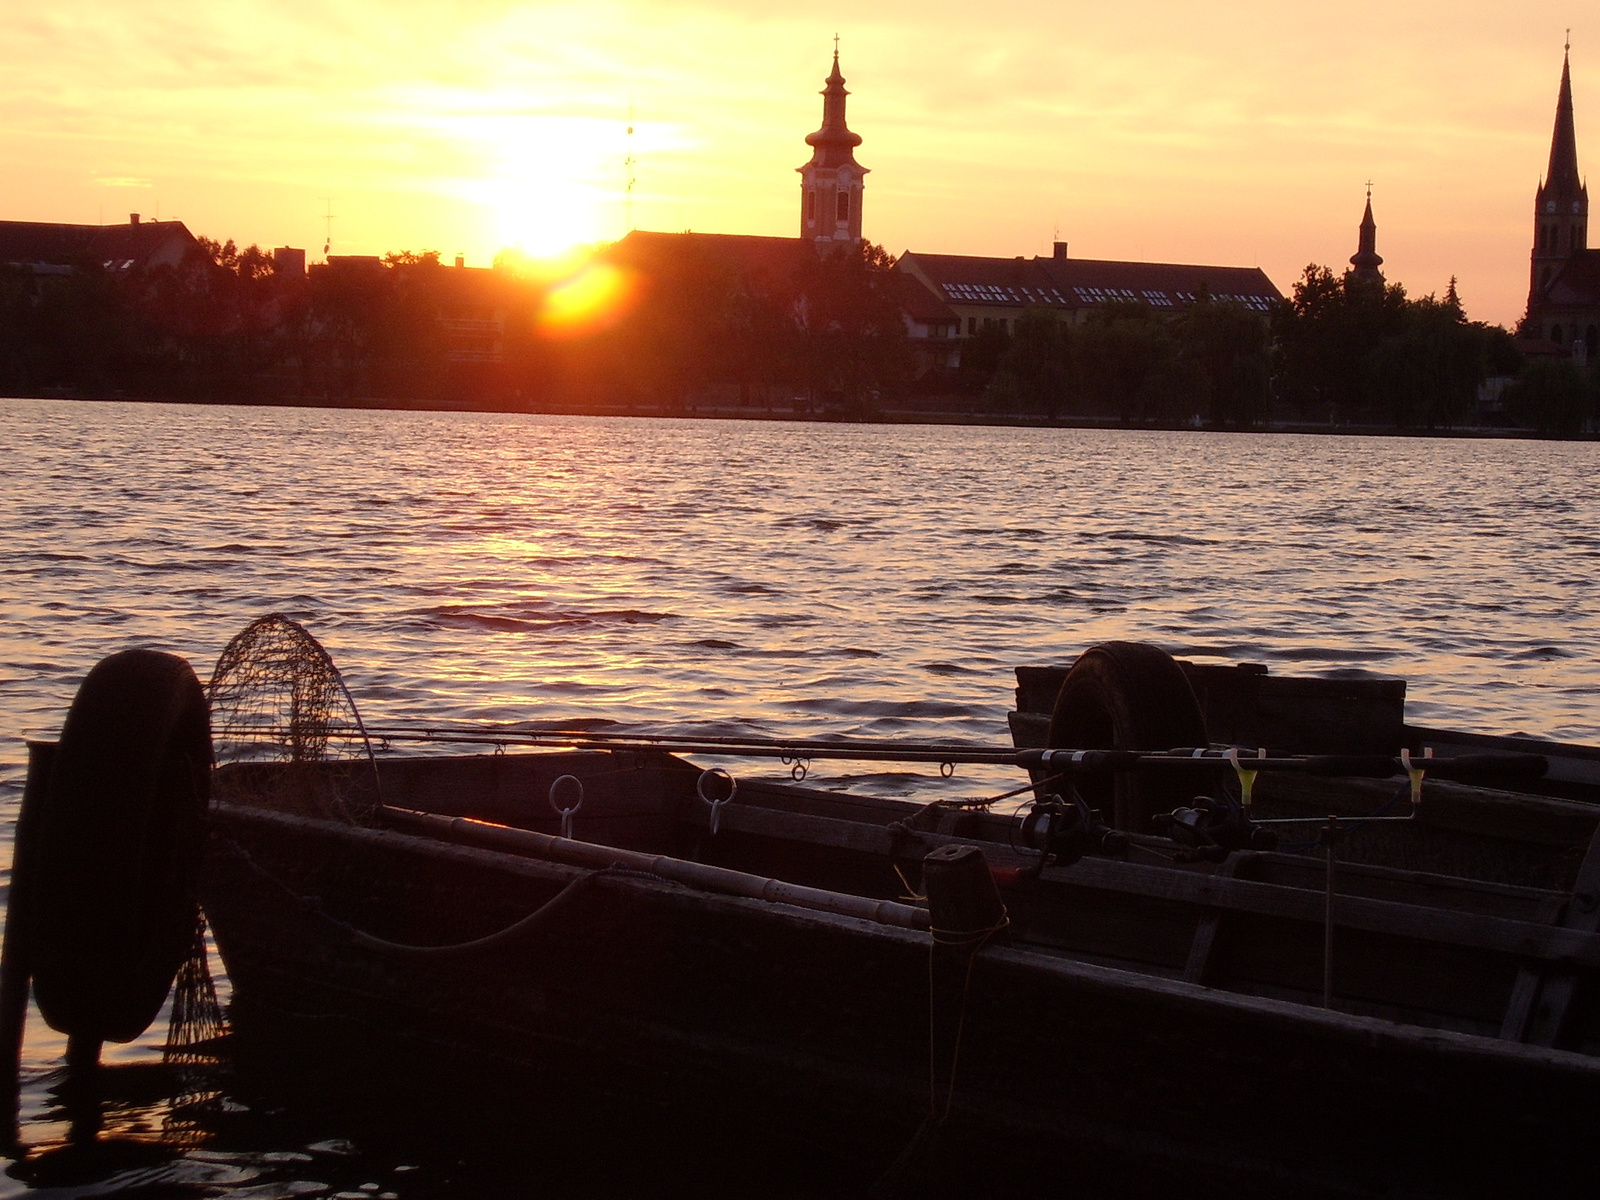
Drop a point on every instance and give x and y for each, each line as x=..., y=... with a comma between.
x=549, y=183
x=593, y=297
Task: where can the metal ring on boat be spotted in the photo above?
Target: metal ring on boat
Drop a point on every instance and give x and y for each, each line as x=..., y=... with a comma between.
x=716, y=805
x=566, y=813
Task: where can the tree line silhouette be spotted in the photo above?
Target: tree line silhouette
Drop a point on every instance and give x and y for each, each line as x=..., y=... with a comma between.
x=694, y=330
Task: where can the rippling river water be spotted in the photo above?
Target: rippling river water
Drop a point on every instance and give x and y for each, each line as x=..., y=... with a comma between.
x=775, y=577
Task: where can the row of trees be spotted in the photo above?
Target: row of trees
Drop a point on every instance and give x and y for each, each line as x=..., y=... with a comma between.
x=1210, y=363
x=791, y=329
x=1357, y=351
x=1338, y=351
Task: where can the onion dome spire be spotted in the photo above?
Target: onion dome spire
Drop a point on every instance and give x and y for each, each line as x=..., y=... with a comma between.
x=1366, y=260
x=833, y=144
x=831, y=184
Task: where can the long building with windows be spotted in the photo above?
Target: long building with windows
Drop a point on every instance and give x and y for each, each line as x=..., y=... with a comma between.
x=984, y=292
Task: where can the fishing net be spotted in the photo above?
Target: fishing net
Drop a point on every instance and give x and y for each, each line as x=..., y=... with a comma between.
x=285, y=728
x=194, y=1049
x=285, y=735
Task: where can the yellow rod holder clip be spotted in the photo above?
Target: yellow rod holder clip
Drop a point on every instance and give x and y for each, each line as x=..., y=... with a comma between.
x=1247, y=777
x=1416, y=773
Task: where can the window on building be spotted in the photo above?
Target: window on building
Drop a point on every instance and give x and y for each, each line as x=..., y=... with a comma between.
x=844, y=206
x=811, y=207
x=1555, y=334
x=1591, y=340
x=972, y=326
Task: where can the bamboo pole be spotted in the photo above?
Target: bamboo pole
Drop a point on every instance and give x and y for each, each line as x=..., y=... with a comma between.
x=699, y=875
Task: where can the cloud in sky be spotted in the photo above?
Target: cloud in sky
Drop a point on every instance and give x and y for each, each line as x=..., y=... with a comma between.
x=1236, y=132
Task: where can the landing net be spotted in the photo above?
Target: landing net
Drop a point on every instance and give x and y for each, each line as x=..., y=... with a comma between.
x=282, y=716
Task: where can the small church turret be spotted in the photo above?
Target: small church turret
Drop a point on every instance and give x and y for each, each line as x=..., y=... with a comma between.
x=1364, y=263
x=1561, y=205
x=831, y=183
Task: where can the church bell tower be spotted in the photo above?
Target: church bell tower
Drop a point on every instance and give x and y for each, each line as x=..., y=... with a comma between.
x=1366, y=261
x=831, y=183
x=1561, y=205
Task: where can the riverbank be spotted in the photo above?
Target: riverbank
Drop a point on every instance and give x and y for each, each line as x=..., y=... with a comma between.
x=948, y=414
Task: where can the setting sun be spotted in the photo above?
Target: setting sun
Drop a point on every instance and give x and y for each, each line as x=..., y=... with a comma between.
x=548, y=183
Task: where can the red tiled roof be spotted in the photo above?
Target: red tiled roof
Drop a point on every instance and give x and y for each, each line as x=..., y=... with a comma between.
x=918, y=301
x=117, y=247
x=746, y=254
x=1073, y=283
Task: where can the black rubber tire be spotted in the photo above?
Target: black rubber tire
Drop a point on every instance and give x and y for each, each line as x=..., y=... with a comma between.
x=118, y=852
x=1130, y=696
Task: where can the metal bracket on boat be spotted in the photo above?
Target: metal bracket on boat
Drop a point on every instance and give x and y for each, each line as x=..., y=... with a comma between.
x=566, y=813
x=716, y=805
x=799, y=767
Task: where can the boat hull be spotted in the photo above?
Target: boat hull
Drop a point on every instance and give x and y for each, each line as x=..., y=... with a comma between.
x=734, y=1010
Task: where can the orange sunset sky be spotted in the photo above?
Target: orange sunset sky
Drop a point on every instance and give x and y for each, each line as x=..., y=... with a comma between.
x=1234, y=132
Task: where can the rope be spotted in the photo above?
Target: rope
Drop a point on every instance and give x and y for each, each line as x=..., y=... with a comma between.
x=958, y=939
x=899, y=1180
x=312, y=907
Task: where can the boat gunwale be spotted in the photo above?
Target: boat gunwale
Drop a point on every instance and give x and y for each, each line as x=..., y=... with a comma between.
x=1288, y=1016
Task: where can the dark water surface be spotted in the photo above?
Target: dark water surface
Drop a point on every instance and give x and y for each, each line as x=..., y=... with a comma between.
x=743, y=578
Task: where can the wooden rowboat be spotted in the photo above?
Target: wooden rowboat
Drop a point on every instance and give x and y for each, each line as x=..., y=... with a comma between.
x=1401, y=1007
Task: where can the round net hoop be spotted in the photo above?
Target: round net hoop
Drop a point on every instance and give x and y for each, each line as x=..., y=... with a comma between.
x=280, y=710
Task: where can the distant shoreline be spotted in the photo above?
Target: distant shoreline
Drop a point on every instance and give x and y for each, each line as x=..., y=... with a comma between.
x=885, y=416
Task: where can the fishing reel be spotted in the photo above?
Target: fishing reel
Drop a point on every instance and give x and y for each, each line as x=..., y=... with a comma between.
x=1212, y=828
x=1068, y=829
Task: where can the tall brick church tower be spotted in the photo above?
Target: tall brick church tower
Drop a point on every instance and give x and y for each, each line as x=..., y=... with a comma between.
x=831, y=183
x=1561, y=205
x=1564, y=274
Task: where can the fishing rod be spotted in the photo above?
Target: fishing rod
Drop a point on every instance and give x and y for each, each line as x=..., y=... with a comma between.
x=1463, y=767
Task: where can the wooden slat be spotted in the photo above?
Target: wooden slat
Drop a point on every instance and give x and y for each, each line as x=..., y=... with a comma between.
x=1205, y=935
x=878, y=840
x=1526, y=989
x=1546, y=1023
x=1525, y=939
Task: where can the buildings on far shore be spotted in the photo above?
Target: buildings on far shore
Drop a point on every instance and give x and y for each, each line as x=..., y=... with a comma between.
x=946, y=298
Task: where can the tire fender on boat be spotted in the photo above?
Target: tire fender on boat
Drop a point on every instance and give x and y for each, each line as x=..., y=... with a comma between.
x=117, y=858
x=1129, y=696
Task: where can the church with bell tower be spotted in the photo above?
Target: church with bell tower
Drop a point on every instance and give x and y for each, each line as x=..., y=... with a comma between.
x=1563, y=315
x=831, y=183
